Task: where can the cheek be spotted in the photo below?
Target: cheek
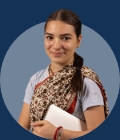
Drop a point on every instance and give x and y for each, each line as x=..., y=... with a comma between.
x=69, y=46
x=47, y=45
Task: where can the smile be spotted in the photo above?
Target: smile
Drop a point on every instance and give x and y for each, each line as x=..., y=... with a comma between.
x=57, y=53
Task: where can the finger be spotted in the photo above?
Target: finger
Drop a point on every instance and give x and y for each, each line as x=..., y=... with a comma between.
x=37, y=129
x=39, y=123
x=32, y=129
x=35, y=133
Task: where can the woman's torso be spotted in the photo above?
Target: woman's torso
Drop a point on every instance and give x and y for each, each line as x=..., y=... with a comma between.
x=91, y=97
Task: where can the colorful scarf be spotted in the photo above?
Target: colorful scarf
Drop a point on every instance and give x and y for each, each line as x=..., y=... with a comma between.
x=56, y=89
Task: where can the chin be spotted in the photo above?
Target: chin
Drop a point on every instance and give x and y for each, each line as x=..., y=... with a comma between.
x=59, y=61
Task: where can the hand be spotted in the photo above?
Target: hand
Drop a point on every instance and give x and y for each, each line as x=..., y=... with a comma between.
x=43, y=129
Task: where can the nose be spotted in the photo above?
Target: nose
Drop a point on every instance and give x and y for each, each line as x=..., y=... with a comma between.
x=56, y=44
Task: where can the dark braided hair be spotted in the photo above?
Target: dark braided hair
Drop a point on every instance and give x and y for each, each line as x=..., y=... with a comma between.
x=71, y=18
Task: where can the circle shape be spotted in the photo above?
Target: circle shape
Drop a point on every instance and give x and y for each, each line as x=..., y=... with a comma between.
x=26, y=56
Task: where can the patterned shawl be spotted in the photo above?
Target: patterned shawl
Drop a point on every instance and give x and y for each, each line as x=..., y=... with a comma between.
x=56, y=89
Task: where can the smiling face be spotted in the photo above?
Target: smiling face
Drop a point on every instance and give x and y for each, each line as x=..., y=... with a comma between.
x=60, y=42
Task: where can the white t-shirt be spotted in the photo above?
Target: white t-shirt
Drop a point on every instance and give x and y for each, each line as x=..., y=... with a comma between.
x=92, y=93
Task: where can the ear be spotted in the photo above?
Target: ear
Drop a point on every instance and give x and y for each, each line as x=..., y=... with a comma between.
x=79, y=40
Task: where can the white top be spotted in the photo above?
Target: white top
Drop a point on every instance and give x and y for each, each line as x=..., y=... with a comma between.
x=92, y=93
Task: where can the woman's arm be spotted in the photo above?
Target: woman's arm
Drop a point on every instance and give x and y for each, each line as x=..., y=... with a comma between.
x=24, y=119
x=94, y=117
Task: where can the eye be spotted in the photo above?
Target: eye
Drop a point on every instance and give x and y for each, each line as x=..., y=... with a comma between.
x=66, y=38
x=49, y=37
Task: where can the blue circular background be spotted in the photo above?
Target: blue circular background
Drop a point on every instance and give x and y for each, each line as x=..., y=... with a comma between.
x=26, y=56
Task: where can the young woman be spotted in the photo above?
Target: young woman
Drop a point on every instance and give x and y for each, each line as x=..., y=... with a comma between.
x=65, y=83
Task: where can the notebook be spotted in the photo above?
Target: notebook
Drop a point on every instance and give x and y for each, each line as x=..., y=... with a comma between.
x=59, y=117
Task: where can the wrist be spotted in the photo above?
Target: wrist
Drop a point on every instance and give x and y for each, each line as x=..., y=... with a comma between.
x=57, y=134
x=63, y=136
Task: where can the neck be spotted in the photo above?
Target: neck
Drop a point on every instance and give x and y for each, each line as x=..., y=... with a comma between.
x=56, y=67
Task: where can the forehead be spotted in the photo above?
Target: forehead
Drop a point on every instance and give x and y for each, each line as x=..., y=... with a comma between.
x=59, y=27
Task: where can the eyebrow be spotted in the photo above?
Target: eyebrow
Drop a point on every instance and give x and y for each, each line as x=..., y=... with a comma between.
x=66, y=34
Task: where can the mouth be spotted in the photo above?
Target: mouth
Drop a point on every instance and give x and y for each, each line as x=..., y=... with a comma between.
x=57, y=53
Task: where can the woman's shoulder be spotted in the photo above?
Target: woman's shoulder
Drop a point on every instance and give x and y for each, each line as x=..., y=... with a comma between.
x=88, y=80
x=91, y=74
x=39, y=76
x=91, y=79
x=89, y=83
x=87, y=71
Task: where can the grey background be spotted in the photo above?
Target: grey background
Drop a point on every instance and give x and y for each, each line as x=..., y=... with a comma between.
x=26, y=56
